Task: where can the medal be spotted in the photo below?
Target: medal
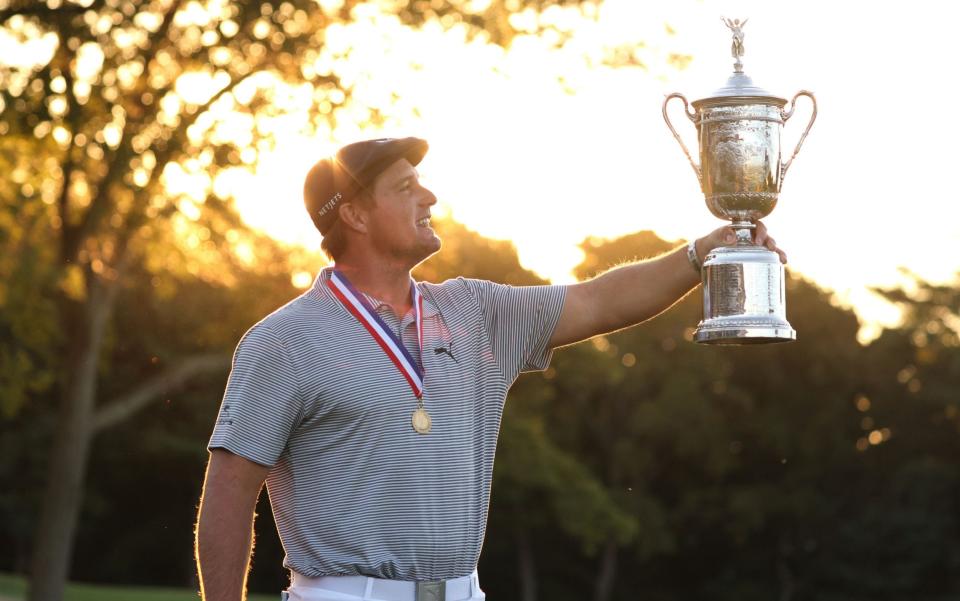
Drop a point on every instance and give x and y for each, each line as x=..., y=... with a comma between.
x=392, y=346
x=421, y=421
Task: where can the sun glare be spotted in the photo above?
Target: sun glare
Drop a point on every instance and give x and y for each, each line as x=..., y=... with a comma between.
x=568, y=136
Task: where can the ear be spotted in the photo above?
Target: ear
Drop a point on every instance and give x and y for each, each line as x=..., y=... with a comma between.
x=354, y=216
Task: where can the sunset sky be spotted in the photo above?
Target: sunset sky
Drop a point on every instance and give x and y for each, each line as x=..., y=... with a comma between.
x=546, y=147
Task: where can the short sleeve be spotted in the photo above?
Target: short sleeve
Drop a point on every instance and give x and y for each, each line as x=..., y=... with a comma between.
x=262, y=404
x=519, y=321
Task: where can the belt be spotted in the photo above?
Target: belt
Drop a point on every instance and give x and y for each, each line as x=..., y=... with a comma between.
x=379, y=589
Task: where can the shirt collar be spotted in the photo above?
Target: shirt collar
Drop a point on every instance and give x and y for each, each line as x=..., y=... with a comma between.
x=320, y=290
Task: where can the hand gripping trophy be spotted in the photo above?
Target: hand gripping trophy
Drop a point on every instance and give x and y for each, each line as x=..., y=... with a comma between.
x=741, y=173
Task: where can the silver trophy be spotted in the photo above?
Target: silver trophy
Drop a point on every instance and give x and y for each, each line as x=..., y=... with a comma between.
x=741, y=173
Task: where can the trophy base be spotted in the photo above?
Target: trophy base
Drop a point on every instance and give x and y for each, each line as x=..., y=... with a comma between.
x=733, y=334
x=744, y=298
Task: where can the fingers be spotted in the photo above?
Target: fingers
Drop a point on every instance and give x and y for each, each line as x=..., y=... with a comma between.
x=771, y=244
x=763, y=238
x=724, y=236
x=760, y=234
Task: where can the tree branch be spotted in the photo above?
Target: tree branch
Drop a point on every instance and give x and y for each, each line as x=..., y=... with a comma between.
x=126, y=405
x=160, y=34
x=189, y=119
x=67, y=231
x=32, y=7
x=101, y=204
x=118, y=160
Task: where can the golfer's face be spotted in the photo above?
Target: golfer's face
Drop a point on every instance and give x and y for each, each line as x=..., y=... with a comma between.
x=400, y=221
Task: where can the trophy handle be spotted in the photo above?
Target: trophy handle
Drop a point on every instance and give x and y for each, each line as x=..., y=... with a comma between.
x=692, y=116
x=787, y=115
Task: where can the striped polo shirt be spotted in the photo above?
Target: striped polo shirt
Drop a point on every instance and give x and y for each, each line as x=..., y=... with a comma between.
x=354, y=489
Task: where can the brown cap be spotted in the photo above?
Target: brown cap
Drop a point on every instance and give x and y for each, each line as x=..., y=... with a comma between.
x=338, y=179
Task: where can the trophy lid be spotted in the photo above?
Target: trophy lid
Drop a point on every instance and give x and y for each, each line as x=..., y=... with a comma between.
x=739, y=88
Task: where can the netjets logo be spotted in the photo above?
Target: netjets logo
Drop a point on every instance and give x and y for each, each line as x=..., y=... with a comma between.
x=330, y=204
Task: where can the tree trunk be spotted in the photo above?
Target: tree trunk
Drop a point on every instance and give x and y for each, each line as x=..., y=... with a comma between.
x=79, y=419
x=786, y=579
x=63, y=496
x=608, y=572
x=526, y=565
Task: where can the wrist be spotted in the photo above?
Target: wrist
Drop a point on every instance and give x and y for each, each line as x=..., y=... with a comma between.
x=693, y=256
x=702, y=246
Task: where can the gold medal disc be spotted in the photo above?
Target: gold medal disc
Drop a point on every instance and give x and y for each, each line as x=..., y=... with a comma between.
x=421, y=421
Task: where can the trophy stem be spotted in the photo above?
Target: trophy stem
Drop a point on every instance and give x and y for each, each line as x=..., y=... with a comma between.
x=744, y=232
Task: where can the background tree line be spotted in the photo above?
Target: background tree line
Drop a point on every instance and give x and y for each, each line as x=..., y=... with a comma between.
x=639, y=461
x=820, y=469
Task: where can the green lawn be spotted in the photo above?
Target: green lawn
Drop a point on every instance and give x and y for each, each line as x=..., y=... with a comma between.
x=15, y=587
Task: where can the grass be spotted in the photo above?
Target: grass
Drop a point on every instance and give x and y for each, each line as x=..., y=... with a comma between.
x=15, y=587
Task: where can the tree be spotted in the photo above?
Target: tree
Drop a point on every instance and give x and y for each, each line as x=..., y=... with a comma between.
x=903, y=526
x=106, y=99
x=116, y=99
x=717, y=452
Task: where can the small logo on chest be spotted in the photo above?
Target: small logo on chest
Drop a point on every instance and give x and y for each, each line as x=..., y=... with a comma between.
x=446, y=350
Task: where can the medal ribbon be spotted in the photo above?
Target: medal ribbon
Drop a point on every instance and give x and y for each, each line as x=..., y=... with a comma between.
x=393, y=346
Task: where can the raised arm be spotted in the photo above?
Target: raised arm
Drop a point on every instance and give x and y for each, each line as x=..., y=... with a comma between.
x=634, y=293
x=224, y=536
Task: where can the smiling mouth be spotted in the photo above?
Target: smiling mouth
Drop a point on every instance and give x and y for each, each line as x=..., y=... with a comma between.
x=425, y=222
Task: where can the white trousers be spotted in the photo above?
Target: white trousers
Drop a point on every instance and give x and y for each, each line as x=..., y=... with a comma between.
x=363, y=588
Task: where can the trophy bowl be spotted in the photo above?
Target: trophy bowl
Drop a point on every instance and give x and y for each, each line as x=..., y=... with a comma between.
x=740, y=158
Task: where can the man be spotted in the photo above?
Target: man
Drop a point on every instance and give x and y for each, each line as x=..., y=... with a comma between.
x=370, y=405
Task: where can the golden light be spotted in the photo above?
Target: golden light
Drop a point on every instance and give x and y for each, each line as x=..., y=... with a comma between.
x=302, y=279
x=89, y=60
x=181, y=183
x=32, y=49
x=537, y=134
x=61, y=135
x=198, y=86
x=548, y=133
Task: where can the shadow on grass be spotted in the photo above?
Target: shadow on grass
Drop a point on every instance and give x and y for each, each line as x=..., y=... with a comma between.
x=15, y=587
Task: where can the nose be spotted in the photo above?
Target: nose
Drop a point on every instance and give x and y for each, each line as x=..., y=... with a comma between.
x=428, y=198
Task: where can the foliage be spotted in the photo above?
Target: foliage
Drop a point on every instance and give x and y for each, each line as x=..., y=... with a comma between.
x=734, y=473
x=28, y=333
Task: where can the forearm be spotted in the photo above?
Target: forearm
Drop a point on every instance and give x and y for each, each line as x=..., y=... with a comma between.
x=625, y=296
x=224, y=535
x=634, y=293
x=223, y=546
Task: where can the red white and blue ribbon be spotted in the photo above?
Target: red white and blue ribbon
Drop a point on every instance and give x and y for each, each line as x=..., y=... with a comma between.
x=360, y=308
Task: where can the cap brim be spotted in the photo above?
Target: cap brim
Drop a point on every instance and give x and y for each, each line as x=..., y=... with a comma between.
x=412, y=149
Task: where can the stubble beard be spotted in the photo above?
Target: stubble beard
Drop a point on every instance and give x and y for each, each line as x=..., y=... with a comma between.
x=423, y=251
x=430, y=249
